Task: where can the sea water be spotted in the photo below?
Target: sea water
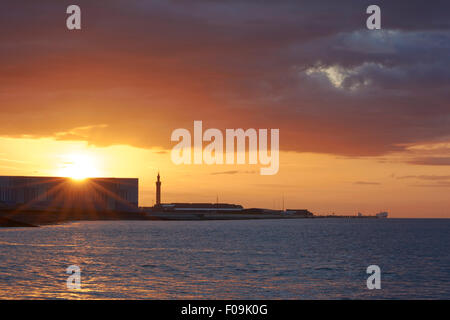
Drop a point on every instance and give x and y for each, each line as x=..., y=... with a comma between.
x=252, y=259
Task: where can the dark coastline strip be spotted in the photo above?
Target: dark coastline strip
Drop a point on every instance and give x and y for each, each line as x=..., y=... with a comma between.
x=8, y=223
x=10, y=218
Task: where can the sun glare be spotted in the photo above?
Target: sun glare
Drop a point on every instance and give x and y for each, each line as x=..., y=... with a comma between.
x=78, y=167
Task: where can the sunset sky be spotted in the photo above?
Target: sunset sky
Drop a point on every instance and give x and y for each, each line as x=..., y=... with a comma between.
x=364, y=116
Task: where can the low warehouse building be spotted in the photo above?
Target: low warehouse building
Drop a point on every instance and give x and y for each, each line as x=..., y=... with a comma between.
x=48, y=193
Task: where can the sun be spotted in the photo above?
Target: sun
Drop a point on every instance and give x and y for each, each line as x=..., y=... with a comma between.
x=78, y=166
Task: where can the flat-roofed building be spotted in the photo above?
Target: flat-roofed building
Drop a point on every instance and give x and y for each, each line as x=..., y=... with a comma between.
x=197, y=207
x=94, y=194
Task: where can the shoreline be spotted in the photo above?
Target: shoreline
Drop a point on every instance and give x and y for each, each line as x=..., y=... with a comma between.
x=34, y=218
x=10, y=223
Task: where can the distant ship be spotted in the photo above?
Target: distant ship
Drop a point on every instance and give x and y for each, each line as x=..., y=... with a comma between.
x=382, y=215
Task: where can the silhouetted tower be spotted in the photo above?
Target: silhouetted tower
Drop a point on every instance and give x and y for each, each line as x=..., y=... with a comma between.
x=158, y=191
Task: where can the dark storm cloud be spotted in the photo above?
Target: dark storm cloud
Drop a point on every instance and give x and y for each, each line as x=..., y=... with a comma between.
x=310, y=68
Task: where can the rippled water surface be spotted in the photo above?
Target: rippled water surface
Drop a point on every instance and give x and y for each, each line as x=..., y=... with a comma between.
x=268, y=259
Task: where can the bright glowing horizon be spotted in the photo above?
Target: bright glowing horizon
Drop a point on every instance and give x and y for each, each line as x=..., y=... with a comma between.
x=78, y=166
x=321, y=183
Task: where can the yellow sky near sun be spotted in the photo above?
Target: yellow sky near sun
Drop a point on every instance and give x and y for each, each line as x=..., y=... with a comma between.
x=321, y=183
